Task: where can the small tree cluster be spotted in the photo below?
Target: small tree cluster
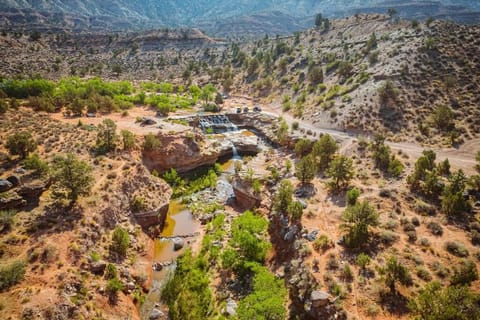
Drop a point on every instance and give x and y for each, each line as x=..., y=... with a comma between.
x=384, y=159
x=357, y=221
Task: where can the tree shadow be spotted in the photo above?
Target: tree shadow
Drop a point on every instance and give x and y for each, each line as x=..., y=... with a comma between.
x=57, y=218
x=394, y=303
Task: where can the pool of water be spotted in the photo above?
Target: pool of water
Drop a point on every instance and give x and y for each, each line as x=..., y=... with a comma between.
x=179, y=221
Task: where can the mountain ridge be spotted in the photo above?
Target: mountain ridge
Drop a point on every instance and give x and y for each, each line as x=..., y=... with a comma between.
x=214, y=16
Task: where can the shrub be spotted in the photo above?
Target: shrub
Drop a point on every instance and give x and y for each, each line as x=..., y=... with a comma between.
x=423, y=274
x=435, y=228
x=363, y=260
x=465, y=274
x=120, y=241
x=151, y=143
x=33, y=162
x=352, y=196
x=11, y=274
x=21, y=144
x=138, y=204
x=6, y=219
x=456, y=248
x=396, y=272
x=322, y=243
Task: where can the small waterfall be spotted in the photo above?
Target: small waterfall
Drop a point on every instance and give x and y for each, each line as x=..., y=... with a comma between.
x=235, y=155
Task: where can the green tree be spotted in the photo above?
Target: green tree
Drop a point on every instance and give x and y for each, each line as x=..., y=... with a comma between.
x=357, y=221
x=394, y=272
x=128, y=139
x=465, y=274
x=437, y=302
x=305, y=169
x=363, y=261
x=11, y=274
x=282, y=132
x=324, y=150
x=315, y=75
x=303, y=147
x=21, y=144
x=218, y=99
x=295, y=210
x=113, y=287
x=207, y=92
x=267, y=299
x=248, y=233
x=173, y=179
x=443, y=118
x=352, y=196
x=151, y=143
x=340, y=172
x=283, y=197
x=120, y=241
x=72, y=175
x=107, y=136
x=423, y=165
x=391, y=12
x=6, y=220
x=453, y=201
x=318, y=20
x=33, y=162
x=388, y=92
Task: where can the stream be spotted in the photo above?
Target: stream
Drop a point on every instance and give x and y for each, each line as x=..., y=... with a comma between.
x=181, y=222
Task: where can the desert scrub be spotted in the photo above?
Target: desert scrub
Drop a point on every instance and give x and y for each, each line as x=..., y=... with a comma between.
x=322, y=243
x=11, y=274
x=456, y=248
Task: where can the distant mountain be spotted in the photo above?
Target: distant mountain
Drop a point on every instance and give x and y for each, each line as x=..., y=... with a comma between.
x=217, y=17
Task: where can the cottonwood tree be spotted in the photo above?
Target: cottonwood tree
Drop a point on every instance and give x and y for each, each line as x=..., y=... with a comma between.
x=73, y=176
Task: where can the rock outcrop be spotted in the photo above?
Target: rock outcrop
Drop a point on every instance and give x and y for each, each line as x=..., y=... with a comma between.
x=182, y=151
x=244, y=195
x=187, y=151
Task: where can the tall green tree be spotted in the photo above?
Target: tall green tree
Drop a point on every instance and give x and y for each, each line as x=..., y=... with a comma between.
x=283, y=197
x=438, y=302
x=128, y=139
x=73, y=176
x=107, y=135
x=340, y=172
x=357, y=221
x=394, y=272
x=324, y=150
x=21, y=144
x=318, y=20
x=305, y=169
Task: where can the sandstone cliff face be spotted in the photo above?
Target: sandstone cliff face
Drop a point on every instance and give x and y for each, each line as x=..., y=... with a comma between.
x=182, y=151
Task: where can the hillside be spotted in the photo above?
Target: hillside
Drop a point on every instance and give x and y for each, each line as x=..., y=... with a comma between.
x=244, y=18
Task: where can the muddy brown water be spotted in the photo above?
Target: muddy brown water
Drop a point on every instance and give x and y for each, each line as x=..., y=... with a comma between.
x=179, y=221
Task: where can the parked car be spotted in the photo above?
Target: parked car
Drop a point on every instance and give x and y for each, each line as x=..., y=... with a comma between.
x=239, y=110
x=257, y=109
x=245, y=110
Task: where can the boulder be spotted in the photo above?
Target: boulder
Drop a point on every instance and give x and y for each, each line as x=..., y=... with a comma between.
x=231, y=308
x=319, y=298
x=98, y=267
x=14, y=180
x=33, y=191
x=245, y=196
x=11, y=201
x=178, y=244
x=5, y=185
x=156, y=314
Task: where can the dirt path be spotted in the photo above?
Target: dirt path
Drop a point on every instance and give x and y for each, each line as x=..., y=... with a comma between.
x=461, y=158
